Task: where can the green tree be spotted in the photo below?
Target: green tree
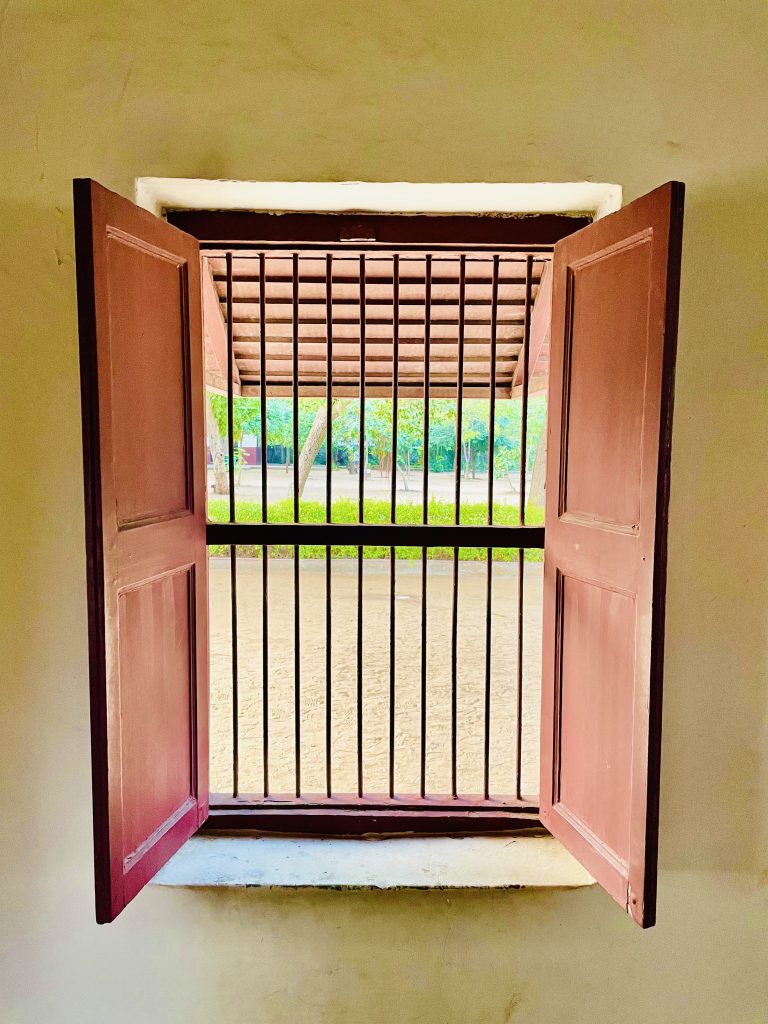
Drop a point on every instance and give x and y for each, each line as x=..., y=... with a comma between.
x=280, y=424
x=244, y=411
x=410, y=436
x=474, y=431
x=378, y=428
x=346, y=428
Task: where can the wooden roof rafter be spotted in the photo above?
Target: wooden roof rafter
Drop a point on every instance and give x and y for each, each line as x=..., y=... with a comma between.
x=215, y=338
x=379, y=321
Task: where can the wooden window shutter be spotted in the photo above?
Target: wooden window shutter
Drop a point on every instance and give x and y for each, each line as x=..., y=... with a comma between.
x=614, y=323
x=141, y=353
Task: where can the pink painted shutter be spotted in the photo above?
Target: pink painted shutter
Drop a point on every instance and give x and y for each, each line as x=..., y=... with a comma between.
x=614, y=322
x=141, y=352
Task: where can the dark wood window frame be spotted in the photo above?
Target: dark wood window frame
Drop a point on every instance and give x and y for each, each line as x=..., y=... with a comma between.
x=222, y=230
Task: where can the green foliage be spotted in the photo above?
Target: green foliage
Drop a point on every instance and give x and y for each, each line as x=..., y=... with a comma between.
x=410, y=426
x=245, y=413
x=376, y=510
x=279, y=423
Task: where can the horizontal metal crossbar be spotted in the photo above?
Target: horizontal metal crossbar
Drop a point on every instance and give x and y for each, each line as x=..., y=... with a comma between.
x=376, y=534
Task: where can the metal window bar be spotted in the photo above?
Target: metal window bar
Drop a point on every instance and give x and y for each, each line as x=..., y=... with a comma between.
x=393, y=518
x=425, y=522
x=232, y=548
x=264, y=517
x=362, y=460
x=457, y=520
x=520, y=551
x=328, y=515
x=296, y=516
x=393, y=535
x=489, y=551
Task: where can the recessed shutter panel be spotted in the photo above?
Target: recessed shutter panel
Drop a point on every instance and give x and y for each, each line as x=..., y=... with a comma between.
x=614, y=321
x=144, y=455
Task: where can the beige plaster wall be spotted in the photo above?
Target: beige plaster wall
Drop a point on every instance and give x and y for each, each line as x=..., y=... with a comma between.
x=635, y=93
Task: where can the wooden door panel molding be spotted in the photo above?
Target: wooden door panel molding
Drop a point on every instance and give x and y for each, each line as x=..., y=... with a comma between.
x=614, y=319
x=606, y=288
x=148, y=295
x=141, y=351
x=594, y=716
x=156, y=642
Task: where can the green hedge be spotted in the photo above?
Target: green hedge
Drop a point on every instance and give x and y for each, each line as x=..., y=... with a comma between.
x=344, y=510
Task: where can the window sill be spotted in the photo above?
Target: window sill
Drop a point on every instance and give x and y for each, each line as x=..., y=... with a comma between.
x=480, y=862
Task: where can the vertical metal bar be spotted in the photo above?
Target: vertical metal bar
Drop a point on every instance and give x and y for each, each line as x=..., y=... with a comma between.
x=489, y=551
x=295, y=383
x=457, y=520
x=425, y=519
x=264, y=548
x=230, y=392
x=328, y=512
x=520, y=552
x=525, y=376
x=263, y=380
x=296, y=549
x=393, y=513
x=427, y=339
x=361, y=517
x=232, y=548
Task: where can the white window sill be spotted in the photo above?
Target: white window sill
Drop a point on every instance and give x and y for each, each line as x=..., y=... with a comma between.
x=408, y=862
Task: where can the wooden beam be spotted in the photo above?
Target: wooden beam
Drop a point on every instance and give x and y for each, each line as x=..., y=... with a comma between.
x=371, y=300
x=535, y=387
x=462, y=229
x=374, y=362
x=215, y=335
x=250, y=389
x=382, y=349
x=249, y=335
x=352, y=279
x=354, y=321
x=541, y=324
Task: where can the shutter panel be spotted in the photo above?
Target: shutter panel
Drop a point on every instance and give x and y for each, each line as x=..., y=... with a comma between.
x=614, y=322
x=144, y=456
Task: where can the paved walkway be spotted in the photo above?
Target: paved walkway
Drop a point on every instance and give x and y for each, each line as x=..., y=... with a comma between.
x=345, y=484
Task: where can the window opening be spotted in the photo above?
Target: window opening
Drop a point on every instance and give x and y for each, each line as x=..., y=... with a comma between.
x=392, y=667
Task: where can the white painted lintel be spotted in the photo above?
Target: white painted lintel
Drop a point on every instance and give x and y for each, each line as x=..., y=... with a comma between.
x=595, y=199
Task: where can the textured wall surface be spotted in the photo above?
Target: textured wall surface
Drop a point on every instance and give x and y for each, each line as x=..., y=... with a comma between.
x=634, y=93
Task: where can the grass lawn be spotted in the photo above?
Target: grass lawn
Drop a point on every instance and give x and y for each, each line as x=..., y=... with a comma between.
x=376, y=510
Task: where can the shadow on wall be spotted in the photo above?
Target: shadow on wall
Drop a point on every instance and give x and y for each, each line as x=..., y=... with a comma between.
x=715, y=696
x=439, y=956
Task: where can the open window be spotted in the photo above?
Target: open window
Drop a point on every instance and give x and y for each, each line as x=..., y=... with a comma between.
x=387, y=679
x=610, y=350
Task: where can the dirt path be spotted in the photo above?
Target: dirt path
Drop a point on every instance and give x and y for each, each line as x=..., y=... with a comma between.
x=471, y=675
x=345, y=485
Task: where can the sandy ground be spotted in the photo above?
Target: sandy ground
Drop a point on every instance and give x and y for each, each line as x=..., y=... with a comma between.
x=471, y=668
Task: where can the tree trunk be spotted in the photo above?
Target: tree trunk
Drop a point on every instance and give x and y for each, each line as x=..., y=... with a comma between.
x=405, y=471
x=216, y=444
x=312, y=445
x=539, y=473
